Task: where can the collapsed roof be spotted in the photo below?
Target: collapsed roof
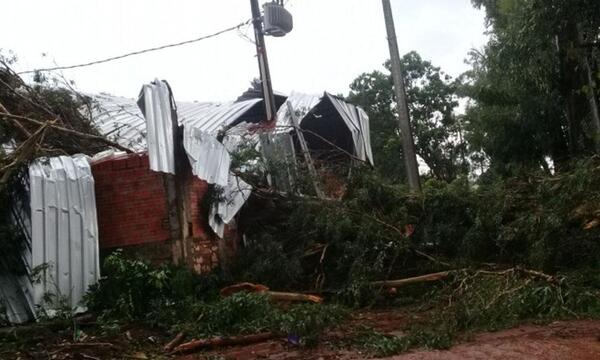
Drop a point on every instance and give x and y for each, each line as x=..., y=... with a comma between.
x=121, y=120
x=212, y=130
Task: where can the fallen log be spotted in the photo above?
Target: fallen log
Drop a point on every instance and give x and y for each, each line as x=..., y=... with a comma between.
x=273, y=295
x=245, y=286
x=285, y=296
x=178, y=339
x=195, y=345
x=444, y=274
x=417, y=279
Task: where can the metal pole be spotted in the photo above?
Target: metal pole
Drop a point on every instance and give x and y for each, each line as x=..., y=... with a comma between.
x=263, y=63
x=408, y=144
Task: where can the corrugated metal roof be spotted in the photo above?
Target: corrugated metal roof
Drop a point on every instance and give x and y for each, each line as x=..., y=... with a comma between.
x=64, y=229
x=121, y=120
x=357, y=122
x=302, y=105
x=355, y=118
x=214, y=118
x=208, y=158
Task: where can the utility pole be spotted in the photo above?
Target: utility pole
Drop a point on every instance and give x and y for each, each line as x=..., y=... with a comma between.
x=263, y=63
x=408, y=144
x=594, y=112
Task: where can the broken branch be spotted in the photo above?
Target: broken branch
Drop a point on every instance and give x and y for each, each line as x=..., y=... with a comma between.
x=417, y=279
x=273, y=295
x=70, y=131
x=175, y=342
x=222, y=341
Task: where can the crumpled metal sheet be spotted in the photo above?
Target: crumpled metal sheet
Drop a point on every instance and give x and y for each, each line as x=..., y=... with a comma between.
x=302, y=105
x=64, y=229
x=355, y=118
x=209, y=159
x=157, y=107
x=366, y=135
x=235, y=194
x=357, y=122
x=211, y=119
x=121, y=120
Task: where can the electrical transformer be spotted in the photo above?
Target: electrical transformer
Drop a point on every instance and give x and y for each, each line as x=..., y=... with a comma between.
x=277, y=21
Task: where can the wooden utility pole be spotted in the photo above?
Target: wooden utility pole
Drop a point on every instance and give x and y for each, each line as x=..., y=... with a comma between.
x=263, y=63
x=408, y=144
x=594, y=112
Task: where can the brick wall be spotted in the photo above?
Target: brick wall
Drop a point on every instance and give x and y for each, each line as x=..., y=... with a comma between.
x=131, y=202
x=196, y=189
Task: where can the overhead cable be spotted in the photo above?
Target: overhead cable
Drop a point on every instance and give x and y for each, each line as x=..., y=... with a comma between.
x=236, y=27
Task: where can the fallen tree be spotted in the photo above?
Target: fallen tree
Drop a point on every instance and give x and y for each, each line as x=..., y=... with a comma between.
x=41, y=119
x=445, y=274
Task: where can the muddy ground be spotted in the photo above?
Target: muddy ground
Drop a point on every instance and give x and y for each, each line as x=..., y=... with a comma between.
x=560, y=340
x=577, y=339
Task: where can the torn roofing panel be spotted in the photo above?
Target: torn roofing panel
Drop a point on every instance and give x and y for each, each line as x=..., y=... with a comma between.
x=357, y=122
x=355, y=118
x=121, y=120
x=234, y=196
x=216, y=117
x=155, y=102
x=208, y=158
x=366, y=134
x=302, y=105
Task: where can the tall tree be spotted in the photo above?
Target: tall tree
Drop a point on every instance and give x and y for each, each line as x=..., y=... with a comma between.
x=431, y=102
x=531, y=94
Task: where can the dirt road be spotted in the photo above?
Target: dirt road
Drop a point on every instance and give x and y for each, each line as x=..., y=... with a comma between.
x=560, y=340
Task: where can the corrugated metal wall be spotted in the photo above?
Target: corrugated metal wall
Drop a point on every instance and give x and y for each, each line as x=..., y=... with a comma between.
x=61, y=258
x=64, y=229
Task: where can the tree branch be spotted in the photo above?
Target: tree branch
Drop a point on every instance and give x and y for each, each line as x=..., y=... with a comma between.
x=70, y=131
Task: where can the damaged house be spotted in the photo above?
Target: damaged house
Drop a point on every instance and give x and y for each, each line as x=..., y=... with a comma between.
x=159, y=201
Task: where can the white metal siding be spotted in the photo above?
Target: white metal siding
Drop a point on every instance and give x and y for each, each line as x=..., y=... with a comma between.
x=64, y=226
x=156, y=99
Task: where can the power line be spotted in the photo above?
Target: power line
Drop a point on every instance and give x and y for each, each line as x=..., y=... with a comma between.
x=236, y=27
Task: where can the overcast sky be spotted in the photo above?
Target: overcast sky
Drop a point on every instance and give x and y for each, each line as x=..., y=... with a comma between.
x=333, y=41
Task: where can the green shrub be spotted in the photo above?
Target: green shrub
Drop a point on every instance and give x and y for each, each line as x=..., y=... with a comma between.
x=237, y=314
x=309, y=321
x=128, y=288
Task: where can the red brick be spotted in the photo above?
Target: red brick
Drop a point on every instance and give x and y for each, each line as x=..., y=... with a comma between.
x=132, y=205
x=119, y=164
x=133, y=162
